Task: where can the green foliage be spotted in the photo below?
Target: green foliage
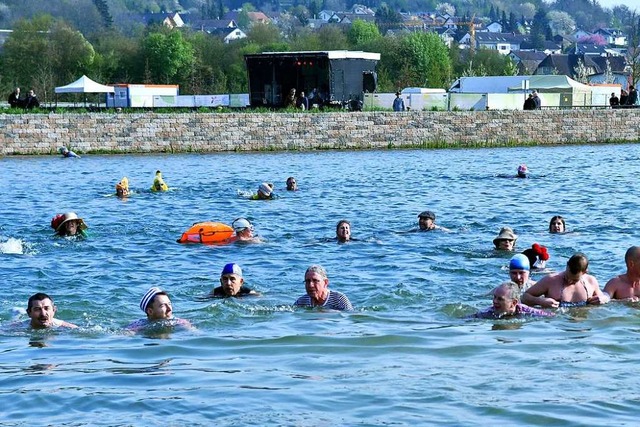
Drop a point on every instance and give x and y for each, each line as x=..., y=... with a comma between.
x=42, y=53
x=332, y=37
x=362, y=32
x=103, y=9
x=168, y=56
x=426, y=61
x=264, y=34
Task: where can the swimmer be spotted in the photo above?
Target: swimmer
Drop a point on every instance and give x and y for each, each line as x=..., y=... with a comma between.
x=523, y=171
x=69, y=224
x=537, y=255
x=506, y=239
x=506, y=303
x=292, y=185
x=427, y=221
x=231, y=283
x=316, y=284
x=67, y=153
x=157, y=306
x=244, y=231
x=122, y=188
x=557, y=225
x=569, y=288
x=41, y=310
x=519, y=272
x=343, y=231
x=265, y=192
x=158, y=183
x=627, y=286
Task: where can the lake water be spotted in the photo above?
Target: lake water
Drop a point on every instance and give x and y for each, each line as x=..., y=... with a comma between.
x=404, y=356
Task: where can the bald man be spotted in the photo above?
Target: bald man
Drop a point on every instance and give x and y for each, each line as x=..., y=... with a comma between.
x=627, y=285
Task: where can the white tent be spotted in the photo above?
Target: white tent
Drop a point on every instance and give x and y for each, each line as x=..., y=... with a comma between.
x=84, y=85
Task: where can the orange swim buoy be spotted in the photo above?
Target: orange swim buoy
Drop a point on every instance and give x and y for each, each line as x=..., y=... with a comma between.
x=207, y=233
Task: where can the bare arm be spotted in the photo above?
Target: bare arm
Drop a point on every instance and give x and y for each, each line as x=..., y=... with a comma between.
x=612, y=287
x=598, y=297
x=535, y=295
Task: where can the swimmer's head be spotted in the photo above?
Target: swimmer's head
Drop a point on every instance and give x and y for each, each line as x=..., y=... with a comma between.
x=231, y=268
x=519, y=262
x=241, y=224
x=265, y=189
x=523, y=171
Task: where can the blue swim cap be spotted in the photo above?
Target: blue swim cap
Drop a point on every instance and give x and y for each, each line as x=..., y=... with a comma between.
x=519, y=262
x=231, y=268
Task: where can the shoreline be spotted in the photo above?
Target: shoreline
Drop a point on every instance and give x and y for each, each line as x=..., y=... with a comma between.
x=198, y=132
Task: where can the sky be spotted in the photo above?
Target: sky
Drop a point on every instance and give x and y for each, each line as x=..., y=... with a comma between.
x=631, y=4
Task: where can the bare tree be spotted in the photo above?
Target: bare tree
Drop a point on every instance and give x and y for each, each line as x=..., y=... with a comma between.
x=581, y=72
x=633, y=50
x=608, y=74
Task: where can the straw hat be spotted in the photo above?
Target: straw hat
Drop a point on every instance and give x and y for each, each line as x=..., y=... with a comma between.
x=506, y=233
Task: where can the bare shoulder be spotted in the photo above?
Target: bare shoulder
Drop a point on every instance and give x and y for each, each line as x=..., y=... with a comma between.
x=614, y=284
x=542, y=285
x=63, y=324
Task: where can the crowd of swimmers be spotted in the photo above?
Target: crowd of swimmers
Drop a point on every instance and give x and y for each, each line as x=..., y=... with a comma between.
x=572, y=287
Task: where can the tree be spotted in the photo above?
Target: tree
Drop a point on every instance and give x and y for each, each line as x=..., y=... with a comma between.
x=264, y=34
x=332, y=37
x=103, y=8
x=117, y=58
x=169, y=56
x=513, y=23
x=527, y=10
x=608, y=73
x=44, y=52
x=539, y=29
x=426, y=60
x=69, y=53
x=446, y=9
x=362, y=32
x=314, y=8
x=26, y=49
x=581, y=72
x=561, y=22
x=633, y=49
x=596, y=39
x=387, y=18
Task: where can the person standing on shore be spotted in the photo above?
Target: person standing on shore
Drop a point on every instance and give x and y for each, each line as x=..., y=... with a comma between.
x=537, y=102
x=14, y=99
x=528, y=103
x=398, y=103
x=633, y=96
x=623, y=97
x=31, y=101
x=614, y=101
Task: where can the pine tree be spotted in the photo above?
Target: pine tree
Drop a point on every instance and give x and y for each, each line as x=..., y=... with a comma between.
x=103, y=9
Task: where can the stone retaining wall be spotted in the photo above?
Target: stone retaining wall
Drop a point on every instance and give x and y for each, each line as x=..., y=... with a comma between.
x=210, y=132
